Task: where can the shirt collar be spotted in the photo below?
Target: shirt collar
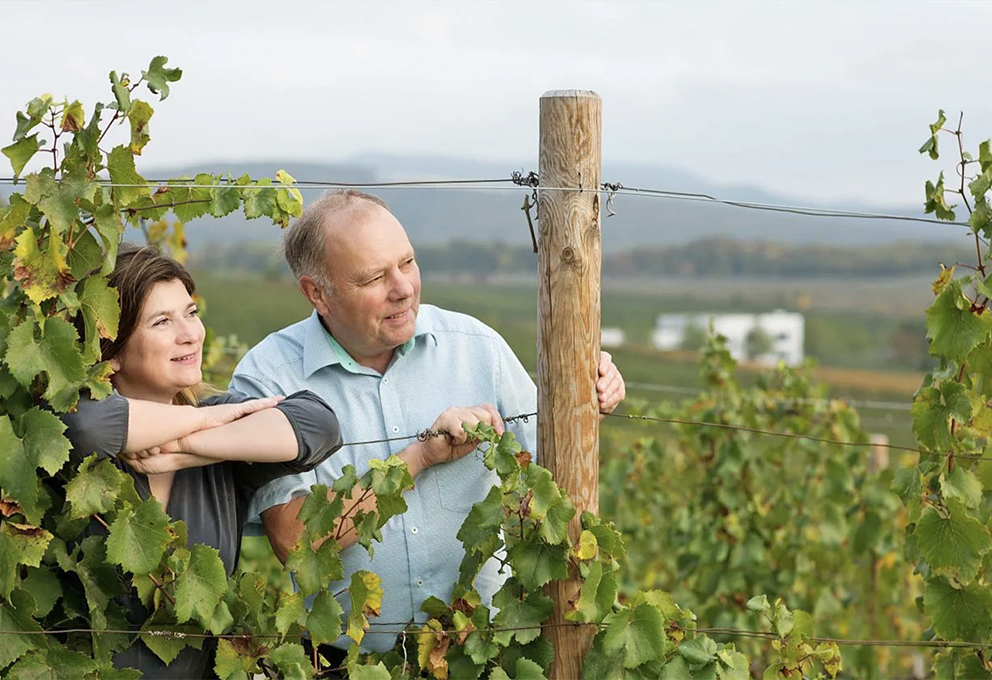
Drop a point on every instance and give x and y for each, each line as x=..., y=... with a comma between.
x=321, y=349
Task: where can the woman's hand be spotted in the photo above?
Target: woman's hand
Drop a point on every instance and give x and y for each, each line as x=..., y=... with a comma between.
x=222, y=414
x=165, y=458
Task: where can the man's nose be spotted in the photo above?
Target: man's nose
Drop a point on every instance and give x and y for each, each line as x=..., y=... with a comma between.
x=402, y=286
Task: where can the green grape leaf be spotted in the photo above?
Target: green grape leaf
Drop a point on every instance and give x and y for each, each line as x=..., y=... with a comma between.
x=980, y=219
x=230, y=663
x=37, y=108
x=260, y=202
x=734, y=665
x=318, y=513
x=122, y=95
x=953, y=544
x=132, y=187
x=221, y=620
x=602, y=666
x=554, y=527
x=289, y=612
x=224, y=201
x=758, y=603
x=954, y=330
x=933, y=410
x=963, y=613
x=20, y=152
x=700, y=650
x=369, y=672
x=525, y=669
x=56, y=354
x=536, y=563
x=390, y=477
x=324, y=620
x=85, y=257
x=94, y=489
x=42, y=446
x=314, y=568
x=524, y=616
x=45, y=587
x=101, y=313
x=28, y=542
x=43, y=275
x=200, y=588
x=981, y=184
x=963, y=485
x=158, y=77
x=637, y=634
x=9, y=572
x=482, y=521
x=936, y=201
x=16, y=621
x=138, y=538
x=599, y=591
x=138, y=116
x=99, y=579
x=291, y=659
x=366, y=600
x=109, y=226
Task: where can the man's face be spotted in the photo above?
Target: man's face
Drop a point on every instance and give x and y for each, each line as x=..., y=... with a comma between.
x=372, y=307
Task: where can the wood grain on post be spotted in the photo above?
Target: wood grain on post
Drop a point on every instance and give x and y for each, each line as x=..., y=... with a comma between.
x=569, y=263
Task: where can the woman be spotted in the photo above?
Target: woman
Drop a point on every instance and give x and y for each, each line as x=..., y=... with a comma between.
x=170, y=436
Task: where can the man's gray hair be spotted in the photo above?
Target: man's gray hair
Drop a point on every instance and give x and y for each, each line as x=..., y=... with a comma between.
x=303, y=244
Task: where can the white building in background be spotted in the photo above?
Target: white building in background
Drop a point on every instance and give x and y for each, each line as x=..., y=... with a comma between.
x=784, y=331
x=612, y=337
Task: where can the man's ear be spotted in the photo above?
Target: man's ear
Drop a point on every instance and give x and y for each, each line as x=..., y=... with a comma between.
x=314, y=294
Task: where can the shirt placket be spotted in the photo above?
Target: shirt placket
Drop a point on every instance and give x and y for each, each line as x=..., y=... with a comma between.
x=417, y=552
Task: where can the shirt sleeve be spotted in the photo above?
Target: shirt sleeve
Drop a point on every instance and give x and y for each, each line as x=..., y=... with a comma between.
x=318, y=435
x=517, y=395
x=99, y=427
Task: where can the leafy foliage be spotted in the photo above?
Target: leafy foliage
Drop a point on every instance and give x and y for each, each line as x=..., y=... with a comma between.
x=948, y=493
x=58, y=242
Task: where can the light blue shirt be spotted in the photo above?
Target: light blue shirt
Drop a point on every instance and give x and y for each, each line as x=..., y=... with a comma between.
x=452, y=360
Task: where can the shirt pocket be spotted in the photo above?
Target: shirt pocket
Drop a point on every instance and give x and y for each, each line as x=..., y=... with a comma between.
x=463, y=483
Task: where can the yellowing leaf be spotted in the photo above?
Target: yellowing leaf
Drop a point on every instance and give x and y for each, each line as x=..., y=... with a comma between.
x=73, y=117
x=586, y=547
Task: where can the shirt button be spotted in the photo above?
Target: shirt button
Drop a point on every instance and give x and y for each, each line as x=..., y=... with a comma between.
x=420, y=582
x=385, y=380
x=413, y=530
x=395, y=429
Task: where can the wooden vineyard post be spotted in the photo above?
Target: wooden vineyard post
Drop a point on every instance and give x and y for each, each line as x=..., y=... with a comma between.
x=569, y=263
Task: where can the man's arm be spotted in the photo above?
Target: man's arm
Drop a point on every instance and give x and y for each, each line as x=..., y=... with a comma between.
x=284, y=530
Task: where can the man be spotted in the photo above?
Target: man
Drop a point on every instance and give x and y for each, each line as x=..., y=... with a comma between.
x=388, y=366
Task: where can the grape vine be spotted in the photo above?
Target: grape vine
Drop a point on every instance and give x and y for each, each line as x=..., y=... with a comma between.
x=74, y=534
x=947, y=495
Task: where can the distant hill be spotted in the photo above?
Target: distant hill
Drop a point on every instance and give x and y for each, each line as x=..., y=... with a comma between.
x=438, y=216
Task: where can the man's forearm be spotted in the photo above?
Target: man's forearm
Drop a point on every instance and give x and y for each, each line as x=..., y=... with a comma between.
x=284, y=529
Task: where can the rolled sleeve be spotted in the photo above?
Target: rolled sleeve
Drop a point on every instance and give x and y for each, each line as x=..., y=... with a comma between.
x=279, y=491
x=99, y=427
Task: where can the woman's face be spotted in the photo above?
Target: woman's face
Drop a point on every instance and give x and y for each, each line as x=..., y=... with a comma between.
x=164, y=352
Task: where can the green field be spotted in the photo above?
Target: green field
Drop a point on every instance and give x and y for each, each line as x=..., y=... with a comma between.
x=850, y=321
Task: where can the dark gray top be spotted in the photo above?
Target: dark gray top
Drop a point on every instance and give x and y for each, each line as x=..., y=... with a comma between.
x=213, y=500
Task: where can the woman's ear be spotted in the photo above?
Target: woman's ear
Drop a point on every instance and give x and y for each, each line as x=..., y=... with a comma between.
x=115, y=364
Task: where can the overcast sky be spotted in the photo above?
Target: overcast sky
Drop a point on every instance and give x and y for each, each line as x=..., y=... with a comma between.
x=822, y=101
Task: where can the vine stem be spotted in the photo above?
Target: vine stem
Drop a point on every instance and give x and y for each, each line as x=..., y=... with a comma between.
x=339, y=533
